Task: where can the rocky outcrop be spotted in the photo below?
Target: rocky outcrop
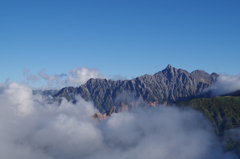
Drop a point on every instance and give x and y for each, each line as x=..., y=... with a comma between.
x=168, y=85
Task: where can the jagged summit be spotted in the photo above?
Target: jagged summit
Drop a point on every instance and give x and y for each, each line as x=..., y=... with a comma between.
x=170, y=84
x=169, y=66
x=170, y=71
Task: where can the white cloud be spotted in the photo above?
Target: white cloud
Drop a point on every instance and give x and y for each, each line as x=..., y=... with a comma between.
x=31, y=128
x=81, y=75
x=225, y=84
x=18, y=97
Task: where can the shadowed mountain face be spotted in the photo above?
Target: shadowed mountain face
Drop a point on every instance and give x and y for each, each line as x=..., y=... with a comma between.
x=236, y=93
x=170, y=84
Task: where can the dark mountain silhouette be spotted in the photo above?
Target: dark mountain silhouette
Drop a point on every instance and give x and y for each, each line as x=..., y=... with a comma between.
x=235, y=94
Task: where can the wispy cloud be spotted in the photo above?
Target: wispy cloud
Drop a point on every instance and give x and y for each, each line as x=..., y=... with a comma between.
x=52, y=79
x=74, y=77
x=29, y=76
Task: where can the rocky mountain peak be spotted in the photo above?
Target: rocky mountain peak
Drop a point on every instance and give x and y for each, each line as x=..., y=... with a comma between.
x=169, y=68
x=170, y=84
x=169, y=71
x=203, y=76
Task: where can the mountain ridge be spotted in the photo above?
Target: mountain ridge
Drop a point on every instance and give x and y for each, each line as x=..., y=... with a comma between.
x=170, y=84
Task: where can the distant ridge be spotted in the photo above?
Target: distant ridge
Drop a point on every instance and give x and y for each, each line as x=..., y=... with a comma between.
x=168, y=85
x=236, y=93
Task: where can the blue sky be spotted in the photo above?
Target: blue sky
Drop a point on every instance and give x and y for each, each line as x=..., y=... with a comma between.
x=118, y=37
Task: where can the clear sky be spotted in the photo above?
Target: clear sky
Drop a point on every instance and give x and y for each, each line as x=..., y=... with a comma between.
x=119, y=37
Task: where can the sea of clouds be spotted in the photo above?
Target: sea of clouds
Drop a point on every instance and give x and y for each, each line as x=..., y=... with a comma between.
x=31, y=127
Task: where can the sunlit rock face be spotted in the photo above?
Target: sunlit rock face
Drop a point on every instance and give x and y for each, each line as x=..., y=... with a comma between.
x=170, y=84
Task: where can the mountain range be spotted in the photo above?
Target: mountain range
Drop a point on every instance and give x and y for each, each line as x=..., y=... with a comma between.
x=166, y=87
x=170, y=85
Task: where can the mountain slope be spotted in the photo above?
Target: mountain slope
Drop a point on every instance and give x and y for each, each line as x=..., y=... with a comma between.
x=224, y=113
x=170, y=84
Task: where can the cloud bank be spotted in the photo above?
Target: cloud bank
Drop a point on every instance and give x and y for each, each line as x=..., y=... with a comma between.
x=32, y=128
x=225, y=84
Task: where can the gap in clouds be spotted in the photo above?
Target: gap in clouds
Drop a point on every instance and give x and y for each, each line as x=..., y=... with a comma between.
x=31, y=128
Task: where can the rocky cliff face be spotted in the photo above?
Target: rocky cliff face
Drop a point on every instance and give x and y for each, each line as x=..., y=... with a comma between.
x=168, y=85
